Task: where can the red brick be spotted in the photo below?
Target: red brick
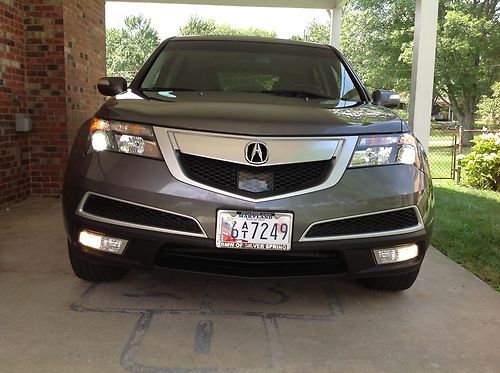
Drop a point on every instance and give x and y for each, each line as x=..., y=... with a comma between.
x=47, y=81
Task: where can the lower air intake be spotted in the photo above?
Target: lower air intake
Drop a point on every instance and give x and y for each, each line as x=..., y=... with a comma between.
x=375, y=223
x=129, y=213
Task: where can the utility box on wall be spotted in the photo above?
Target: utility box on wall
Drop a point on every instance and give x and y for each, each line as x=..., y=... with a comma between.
x=23, y=122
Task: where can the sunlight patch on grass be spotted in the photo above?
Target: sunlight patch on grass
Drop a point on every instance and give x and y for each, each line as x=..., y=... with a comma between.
x=466, y=228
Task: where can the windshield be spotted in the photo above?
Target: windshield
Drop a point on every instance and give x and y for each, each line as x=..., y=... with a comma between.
x=255, y=67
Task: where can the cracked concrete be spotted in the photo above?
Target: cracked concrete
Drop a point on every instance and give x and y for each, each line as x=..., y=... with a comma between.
x=163, y=321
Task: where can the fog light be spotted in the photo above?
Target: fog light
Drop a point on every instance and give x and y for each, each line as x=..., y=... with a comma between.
x=396, y=254
x=101, y=242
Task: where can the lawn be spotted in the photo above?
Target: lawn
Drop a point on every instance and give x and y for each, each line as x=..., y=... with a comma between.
x=467, y=228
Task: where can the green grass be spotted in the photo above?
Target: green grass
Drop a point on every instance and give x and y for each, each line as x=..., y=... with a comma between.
x=440, y=161
x=467, y=228
x=441, y=139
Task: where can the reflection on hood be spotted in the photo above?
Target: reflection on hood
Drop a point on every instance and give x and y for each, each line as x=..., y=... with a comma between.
x=366, y=115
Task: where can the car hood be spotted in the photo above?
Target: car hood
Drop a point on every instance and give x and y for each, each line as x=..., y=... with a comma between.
x=274, y=117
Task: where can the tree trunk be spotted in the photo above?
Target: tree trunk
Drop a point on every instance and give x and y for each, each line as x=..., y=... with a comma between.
x=467, y=121
x=465, y=115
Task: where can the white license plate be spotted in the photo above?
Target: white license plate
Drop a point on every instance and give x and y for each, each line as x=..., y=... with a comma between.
x=254, y=230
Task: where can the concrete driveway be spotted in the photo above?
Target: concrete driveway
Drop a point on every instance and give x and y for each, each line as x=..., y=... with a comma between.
x=163, y=321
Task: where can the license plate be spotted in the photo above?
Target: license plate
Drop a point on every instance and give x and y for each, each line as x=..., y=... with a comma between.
x=254, y=230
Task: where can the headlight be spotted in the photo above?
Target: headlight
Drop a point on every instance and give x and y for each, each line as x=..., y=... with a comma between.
x=386, y=149
x=123, y=137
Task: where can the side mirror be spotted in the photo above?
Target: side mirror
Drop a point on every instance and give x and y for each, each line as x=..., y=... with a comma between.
x=386, y=98
x=112, y=86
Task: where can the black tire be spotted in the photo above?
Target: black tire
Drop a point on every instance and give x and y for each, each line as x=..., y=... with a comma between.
x=391, y=283
x=93, y=272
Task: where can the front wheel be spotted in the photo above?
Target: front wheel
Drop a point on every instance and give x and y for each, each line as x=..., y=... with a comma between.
x=94, y=272
x=391, y=283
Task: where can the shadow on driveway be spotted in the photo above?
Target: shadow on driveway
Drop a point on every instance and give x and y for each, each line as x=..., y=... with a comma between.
x=165, y=321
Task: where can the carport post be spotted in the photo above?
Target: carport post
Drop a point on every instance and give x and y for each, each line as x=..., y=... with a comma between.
x=336, y=25
x=422, y=75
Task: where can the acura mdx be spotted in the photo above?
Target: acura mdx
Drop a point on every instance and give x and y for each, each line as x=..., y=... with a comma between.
x=248, y=157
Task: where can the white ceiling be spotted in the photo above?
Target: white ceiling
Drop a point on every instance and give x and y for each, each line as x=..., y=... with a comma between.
x=317, y=4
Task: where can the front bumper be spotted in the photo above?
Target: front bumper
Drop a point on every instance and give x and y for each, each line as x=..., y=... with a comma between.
x=149, y=182
x=348, y=258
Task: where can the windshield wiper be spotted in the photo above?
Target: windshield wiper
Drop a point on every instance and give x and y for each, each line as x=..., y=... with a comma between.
x=168, y=89
x=297, y=93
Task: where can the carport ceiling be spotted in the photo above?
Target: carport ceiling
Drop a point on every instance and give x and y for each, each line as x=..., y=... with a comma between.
x=317, y=4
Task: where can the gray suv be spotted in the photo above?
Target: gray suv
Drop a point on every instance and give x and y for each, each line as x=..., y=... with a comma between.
x=248, y=157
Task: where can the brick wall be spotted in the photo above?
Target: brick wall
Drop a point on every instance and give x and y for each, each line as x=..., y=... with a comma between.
x=85, y=53
x=51, y=53
x=14, y=150
x=45, y=86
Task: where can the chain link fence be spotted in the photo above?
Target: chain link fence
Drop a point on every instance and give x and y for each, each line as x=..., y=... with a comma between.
x=443, y=151
x=445, y=144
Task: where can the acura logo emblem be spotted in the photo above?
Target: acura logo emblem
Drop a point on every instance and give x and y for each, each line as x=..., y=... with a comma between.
x=256, y=153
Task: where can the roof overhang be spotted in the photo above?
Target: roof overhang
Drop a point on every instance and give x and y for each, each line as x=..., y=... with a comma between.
x=315, y=4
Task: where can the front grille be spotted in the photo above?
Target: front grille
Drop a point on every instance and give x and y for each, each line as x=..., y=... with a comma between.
x=249, y=180
x=382, y=222
x=125, y=212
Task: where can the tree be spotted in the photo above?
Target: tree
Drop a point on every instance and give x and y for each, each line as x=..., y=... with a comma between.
x=129, y=47
x=200, y=26
x=375, y=37
x=316, y=32
x=467, y=52
x=468, y=46
x=390, y=32
x=489, y=107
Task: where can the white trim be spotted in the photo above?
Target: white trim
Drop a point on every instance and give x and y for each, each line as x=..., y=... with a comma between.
x=231, y=148
x=313, y=4
x=81, y=212
x=415, y=228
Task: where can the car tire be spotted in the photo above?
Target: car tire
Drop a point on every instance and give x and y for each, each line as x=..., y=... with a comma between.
x=391, y=283
x=94, y=272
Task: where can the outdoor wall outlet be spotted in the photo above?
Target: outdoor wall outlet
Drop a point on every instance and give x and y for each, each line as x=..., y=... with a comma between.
x=23, y=122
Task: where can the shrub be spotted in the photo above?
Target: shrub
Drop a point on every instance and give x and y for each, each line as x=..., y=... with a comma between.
x=489, y=108
x=482, y=165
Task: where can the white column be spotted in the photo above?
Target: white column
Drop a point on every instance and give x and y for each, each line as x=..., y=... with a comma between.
x=422, y=75
x=336, y=25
